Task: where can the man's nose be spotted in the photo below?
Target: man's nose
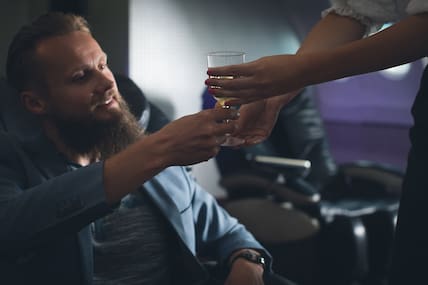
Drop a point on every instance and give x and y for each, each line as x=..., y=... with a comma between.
x=104, y=83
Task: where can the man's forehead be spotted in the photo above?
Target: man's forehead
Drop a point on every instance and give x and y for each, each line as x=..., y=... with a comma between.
x=75, y=48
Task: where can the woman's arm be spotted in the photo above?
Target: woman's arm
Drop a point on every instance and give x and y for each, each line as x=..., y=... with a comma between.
x=333, y=30
x=401, y=43
x=333, y=49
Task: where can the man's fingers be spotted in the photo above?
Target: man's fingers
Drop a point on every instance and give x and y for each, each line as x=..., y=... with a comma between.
x=223, y=114
x=225, y=127
x=220, y=139
x=254, y=140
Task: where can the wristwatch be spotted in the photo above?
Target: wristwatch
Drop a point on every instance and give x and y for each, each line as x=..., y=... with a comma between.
x=250, y=256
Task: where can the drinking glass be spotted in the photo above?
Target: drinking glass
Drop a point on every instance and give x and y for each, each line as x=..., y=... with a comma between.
x=223, y=58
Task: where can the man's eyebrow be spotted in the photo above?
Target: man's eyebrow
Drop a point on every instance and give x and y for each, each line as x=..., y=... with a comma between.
x=83, y=66
x=103, y=56
x=79, y=67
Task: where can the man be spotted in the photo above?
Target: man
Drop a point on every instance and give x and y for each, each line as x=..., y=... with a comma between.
x=92, y=200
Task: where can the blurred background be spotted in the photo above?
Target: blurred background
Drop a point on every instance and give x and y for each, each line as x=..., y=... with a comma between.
x=162, y=45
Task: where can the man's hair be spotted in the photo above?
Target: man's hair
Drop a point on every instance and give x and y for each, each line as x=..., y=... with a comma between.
x=22, y=69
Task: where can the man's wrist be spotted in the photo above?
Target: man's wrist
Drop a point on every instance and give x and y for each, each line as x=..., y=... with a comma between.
x=248, y=255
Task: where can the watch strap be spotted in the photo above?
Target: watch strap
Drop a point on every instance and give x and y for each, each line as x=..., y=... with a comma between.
x=250, y=256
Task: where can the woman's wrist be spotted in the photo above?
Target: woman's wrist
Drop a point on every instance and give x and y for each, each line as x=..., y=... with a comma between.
x=277, y=102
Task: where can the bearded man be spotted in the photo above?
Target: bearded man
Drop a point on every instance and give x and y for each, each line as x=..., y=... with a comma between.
x=93, y=200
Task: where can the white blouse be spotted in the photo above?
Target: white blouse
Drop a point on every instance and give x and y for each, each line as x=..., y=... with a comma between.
x=374, y=13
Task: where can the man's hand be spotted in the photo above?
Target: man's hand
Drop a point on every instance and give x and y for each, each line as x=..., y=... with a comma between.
x=244, y=272
x=194, y=138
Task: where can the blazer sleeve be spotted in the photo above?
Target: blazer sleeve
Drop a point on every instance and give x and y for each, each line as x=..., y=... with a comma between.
x=218, y=234
x=33, y=215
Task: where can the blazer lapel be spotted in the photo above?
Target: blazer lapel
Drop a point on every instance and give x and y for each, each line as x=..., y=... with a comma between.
x=162, y=200
x=194, y=272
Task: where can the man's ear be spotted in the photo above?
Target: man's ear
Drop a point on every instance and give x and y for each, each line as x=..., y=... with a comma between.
x=33, y=102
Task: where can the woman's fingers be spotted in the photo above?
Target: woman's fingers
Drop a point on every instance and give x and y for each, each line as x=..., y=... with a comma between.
x=237, y=70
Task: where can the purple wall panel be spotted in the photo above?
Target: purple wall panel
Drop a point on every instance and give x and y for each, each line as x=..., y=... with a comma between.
x=380, y=143
x=368, y=116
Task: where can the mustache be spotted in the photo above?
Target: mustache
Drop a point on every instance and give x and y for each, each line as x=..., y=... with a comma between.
x=106, y=98
x=100, y=139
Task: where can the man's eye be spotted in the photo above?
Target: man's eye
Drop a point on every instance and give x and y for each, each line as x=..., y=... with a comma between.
x=103, y=66
x=79, y=77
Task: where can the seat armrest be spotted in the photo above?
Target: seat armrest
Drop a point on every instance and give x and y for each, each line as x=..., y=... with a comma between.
x=245, y=185
x=287, y=166
x=250, y=185
x=370, y=179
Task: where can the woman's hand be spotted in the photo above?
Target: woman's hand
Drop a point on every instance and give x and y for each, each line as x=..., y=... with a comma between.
x=266, y=77
x=258, y=118
x=255, y=122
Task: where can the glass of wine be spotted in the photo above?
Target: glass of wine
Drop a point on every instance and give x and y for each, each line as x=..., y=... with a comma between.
x=223, y=58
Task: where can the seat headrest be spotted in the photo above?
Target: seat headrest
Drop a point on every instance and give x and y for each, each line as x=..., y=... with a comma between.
x=134, y=96
x=14, y=117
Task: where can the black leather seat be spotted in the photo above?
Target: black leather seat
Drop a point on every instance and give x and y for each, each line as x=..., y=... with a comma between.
x=150, y=117
x=13, y=117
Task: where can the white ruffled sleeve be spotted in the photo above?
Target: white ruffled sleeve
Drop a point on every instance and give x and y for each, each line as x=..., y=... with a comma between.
x=417, y=6
x=373, y=14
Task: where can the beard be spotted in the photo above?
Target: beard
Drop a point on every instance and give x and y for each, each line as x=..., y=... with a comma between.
x=99, y=139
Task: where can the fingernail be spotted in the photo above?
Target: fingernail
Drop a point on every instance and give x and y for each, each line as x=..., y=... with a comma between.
x=211, y=90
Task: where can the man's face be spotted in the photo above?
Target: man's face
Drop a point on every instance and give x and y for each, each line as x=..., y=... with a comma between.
x=79, y=84
x=81, y=98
